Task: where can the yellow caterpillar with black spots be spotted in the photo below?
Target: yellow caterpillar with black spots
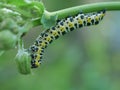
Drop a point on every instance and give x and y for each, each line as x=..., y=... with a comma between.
x=62, y=27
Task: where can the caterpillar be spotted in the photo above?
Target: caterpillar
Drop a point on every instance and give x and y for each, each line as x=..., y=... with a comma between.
x=62, y=27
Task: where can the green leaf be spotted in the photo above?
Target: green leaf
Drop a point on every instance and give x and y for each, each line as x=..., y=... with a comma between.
x=7, y=40
x=38, y=6
x=18, y=2
x=25, y=28
x=48, y=20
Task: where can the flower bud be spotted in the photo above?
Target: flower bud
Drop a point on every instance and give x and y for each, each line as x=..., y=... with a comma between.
x=23, y=62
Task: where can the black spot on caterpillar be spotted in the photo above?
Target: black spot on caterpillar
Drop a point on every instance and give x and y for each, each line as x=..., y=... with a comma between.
x=61, y=28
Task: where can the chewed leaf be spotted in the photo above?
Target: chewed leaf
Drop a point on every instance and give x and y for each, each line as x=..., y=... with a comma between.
x=48, y=20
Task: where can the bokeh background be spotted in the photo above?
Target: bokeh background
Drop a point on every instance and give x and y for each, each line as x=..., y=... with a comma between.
x=85, y=59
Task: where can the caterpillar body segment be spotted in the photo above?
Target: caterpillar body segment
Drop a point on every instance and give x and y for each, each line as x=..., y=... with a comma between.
x=61, y=28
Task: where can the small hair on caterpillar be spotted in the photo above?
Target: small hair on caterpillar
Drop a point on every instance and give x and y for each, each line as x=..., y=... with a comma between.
x=62, y=27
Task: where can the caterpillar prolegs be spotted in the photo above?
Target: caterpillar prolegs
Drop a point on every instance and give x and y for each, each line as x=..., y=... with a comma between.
x=62, y=27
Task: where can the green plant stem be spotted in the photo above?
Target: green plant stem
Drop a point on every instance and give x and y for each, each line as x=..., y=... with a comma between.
x=109, y=6
x=94, y=7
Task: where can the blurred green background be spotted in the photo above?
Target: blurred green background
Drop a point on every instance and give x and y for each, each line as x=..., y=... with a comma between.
x=86, y=59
